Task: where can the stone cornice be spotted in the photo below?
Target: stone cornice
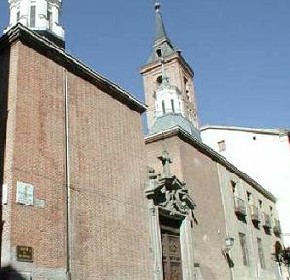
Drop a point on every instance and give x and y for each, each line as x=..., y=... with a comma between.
x=60, y=56
x=266, y=131
x=206, y=150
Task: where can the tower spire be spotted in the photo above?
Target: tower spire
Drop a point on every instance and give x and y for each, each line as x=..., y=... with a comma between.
x=162, y=45
x=160, y=29
x=169, y=87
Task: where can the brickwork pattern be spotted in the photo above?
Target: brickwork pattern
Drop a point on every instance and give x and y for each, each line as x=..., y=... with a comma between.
x=37, y=157
x=4, y=77
x=176, y=73
x=201, y=176
x=110, y=234
x=108, y=175
x=210, y=186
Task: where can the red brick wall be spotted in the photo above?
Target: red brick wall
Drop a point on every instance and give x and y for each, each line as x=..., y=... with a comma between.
x=201, y=176
x=4, y=74
x=38, y=158
x=109, y=214
x=108, y=167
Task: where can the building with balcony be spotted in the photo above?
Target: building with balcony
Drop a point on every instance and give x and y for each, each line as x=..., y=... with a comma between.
x=264, y=154
x=84, y=196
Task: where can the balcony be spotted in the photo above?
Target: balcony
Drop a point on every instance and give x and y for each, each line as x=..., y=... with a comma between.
x=277, y=227
x=240, y=207
x=255, y=215
x=267, y=221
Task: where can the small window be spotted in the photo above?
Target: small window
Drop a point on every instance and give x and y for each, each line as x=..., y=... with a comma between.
x=186, y=87
x=49, y=18
x=271, y=211
x=159, y=52
x=172, y=106
x=18, y=16
x=234, y=187
x=249, y=197
x=32, y=16
x=159, y=80
x=261, y=253
x=163, y=107
x=260, y=204
x=244, y=248
x=222, y=145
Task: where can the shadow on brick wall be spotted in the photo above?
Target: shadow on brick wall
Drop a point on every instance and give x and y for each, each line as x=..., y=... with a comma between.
x=9, y=273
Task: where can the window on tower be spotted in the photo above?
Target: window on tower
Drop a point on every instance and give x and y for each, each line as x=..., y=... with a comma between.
x=172, y=106
x=49, y=19
x=159, y=52
x=18, y=16
x=32, y=16
x=163, y=107
x=185, y=80
x=159, y=80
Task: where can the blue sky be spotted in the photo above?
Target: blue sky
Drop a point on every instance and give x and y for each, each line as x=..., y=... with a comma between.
x=239, y=50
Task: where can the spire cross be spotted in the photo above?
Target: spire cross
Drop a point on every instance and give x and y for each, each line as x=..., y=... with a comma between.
x=157, y=6
x=164, y=77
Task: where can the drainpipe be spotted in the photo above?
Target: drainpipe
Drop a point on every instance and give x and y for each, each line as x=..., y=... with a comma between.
x=67, y=180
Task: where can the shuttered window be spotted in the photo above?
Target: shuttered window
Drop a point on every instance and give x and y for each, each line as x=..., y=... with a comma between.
x=244, y=248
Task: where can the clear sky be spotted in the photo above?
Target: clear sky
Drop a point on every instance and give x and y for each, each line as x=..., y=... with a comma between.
x=239, y=50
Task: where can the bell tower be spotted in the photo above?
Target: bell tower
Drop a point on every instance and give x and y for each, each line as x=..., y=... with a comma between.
x=41, y=16
x=168, y=83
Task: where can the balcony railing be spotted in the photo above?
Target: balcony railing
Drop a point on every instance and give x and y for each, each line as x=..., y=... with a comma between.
x=277, y=227
x=267, y=220
x=240, y=207
x=255, y=214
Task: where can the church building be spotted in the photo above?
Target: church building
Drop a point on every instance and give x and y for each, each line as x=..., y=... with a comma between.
x=85, y=196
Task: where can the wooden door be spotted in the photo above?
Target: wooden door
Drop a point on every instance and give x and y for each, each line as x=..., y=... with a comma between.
x=171, y=256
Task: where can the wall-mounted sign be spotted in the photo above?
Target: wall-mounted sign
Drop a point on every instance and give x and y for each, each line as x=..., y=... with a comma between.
x=24, y=254
x=24, y=193
x=39, y=203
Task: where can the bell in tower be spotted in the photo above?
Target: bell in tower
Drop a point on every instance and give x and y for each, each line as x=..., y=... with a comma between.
x=41, y=16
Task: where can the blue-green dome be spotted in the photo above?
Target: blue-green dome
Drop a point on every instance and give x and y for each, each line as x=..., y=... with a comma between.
x=172, y=120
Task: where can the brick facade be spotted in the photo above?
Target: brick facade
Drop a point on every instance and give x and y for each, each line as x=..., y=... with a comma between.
x=201, y=176
x=77, y=138
x=209, y=180
x=108, y=220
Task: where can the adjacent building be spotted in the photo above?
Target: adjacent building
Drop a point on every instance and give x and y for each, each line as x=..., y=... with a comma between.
x=84, y=196
x=264, y=154
x=228, y=202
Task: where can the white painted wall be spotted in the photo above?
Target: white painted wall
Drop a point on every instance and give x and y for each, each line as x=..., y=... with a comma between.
x=167, y=96
x=20, y=11
x=262, y=155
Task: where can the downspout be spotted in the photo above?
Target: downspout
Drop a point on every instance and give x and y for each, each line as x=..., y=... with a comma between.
x=67, y=180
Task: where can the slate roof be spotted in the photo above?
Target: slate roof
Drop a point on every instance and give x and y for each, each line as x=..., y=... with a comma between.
x=161, y=40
